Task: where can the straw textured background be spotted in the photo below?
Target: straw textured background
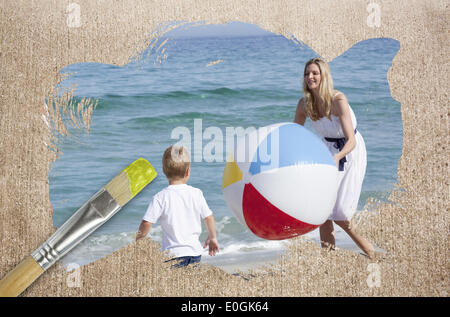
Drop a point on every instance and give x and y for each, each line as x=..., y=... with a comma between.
x=37, y=41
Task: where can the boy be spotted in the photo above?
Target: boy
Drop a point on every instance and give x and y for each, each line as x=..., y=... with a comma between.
x=179, y=208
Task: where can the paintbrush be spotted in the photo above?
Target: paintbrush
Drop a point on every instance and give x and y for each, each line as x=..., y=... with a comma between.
x=94, y=213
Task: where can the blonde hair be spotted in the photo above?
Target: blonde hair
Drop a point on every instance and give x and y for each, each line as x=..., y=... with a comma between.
x=176, y=161
x=325, y=90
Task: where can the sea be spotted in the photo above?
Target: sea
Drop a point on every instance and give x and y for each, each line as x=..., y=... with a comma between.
x=217, y=81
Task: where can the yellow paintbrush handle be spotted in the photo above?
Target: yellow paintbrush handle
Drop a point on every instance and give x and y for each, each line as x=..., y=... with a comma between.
x=17, y=280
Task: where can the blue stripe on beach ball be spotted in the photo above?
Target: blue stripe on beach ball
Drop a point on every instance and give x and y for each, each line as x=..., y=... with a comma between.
x=288, y=145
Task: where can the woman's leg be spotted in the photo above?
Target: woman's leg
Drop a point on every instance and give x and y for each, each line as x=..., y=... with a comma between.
x=360, y=241
x=327, y=235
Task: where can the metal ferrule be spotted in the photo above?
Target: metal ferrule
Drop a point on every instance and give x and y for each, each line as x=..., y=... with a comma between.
x=95, y=212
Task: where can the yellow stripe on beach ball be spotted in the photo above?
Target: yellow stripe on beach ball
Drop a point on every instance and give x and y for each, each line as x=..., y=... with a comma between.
x=231, y=174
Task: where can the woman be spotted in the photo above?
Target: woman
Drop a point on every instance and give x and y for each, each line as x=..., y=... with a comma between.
x=333, y=119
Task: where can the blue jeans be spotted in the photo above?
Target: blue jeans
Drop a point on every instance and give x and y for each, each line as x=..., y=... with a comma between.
x=185, y=260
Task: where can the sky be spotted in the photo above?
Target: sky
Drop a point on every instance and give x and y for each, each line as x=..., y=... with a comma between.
x=228, y=29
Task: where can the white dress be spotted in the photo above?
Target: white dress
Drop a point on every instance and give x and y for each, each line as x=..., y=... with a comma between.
x=351, y=178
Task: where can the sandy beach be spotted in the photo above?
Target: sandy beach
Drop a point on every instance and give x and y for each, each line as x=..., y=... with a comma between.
x=246, y=263
x=259, y=261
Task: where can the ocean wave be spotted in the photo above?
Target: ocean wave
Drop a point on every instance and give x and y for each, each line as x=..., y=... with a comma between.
x=208, y=93
x=245, y=247
x=171, y=119
x=96, y=247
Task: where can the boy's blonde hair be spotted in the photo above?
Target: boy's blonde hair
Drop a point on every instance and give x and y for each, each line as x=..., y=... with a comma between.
x=176, y=161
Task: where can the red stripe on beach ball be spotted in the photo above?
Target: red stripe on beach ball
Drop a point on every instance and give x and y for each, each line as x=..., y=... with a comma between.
x=267, y=221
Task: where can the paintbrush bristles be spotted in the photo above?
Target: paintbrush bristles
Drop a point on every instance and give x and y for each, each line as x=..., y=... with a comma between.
x=119, y=188
x=131, y=181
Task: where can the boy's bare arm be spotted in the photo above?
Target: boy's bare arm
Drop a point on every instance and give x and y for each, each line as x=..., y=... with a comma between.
x=211, y=241
x=143, y=230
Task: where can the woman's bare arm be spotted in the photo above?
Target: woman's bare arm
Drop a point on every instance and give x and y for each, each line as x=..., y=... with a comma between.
x=300, y=113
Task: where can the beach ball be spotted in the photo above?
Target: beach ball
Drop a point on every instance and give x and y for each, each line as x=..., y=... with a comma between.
x=280, y=181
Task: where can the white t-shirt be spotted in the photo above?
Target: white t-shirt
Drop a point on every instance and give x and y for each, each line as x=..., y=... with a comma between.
x=180, y=209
